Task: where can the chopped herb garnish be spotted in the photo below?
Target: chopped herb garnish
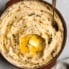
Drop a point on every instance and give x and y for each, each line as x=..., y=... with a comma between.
x=31, y=14
x=16, y=39
x=38, y=15
x=50, y=39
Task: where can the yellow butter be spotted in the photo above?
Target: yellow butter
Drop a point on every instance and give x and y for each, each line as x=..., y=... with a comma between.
x=31, y=44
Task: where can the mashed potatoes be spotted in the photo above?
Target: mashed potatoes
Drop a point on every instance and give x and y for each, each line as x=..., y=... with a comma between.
x=28, y=38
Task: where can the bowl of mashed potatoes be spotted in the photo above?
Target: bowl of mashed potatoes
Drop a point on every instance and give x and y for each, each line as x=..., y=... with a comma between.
x=28, y=38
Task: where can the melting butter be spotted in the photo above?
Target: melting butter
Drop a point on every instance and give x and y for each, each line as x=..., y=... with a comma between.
x=32, y=44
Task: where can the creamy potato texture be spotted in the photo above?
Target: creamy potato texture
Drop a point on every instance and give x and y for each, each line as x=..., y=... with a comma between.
x=28, y=38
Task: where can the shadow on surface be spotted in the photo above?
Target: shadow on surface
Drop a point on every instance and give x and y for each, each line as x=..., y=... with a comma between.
x=5, y=65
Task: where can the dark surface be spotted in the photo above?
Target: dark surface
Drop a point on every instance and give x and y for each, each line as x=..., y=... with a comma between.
x=5, y=64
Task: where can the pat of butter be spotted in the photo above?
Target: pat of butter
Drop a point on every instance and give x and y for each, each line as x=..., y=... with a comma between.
x=35, y=44
x=34, y=41
x=31, y=44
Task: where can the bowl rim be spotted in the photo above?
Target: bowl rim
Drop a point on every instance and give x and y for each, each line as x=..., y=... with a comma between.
x=64, y=39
